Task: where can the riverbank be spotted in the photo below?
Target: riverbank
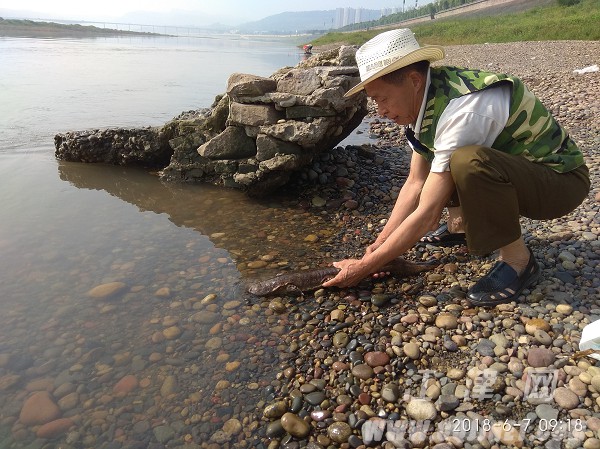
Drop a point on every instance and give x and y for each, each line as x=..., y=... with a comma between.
x=359, y=355
x=37, y=29
x=122, y=294
x=516, y=21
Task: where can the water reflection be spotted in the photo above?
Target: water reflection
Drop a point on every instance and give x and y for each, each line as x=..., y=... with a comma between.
x=248, y=229
x=172, y=355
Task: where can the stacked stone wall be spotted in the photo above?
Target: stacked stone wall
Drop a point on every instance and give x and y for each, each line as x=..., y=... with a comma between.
x=253, y=137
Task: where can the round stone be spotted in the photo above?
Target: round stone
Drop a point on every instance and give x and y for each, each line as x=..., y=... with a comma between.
x=411, y=318
x=455, y=373
x=205, y=317
x=294, y=425
x=362, y=371
x=418, y=439
x=540, y=357
x=421, y=409
x=68, y=402
x=163, y=433
x=390, y=392
x=230, y=305
x=337, y=315
x=542, y=337
x=591, y=443
x=436, y=277
x=277, y=306
x=515, y=366
x=446, y=321
x=564, y=309
x=39, y=408
x=428, y=301
x=214, y=343
x=536, y=323
x=499, y=340
x=163, y=292
x=169, y=386
x=448, y=402
x=106, y=290
x=364, y=398
x=232, y=366
x=377, y=358
x=256, y=264
x=576, y=386
x=317, y=201
x=55, y=428
x=339, y=432
x=275, y=410
x=232, y=426
x=546, y=412
x=380, y=300
x=565, y=398
x=412, y=350
x=339, y=366
x=508, y=436
x=595, y=382
x=307, y=388
x=341, y=339
x=315, y=398
x=274, y=429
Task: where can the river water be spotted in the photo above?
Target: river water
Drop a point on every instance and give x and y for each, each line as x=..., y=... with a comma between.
x=192, y=354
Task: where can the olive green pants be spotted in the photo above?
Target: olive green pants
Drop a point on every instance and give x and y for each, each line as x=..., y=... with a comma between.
x=494, y=189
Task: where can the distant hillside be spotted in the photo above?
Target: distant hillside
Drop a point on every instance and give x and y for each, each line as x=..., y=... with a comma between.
x=301, y=22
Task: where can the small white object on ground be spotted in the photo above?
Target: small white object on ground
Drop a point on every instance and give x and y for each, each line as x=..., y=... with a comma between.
x=588, y=69
x=590, y=338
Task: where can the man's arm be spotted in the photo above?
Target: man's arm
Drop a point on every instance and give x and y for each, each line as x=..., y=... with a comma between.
x=408, y=198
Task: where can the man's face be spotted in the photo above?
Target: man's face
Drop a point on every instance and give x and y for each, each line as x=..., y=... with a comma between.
x=399, y=101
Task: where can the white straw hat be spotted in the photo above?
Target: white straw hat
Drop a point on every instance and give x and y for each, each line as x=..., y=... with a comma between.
x=391, y=51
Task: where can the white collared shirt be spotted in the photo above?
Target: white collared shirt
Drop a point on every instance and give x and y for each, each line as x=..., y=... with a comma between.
x=473, y=119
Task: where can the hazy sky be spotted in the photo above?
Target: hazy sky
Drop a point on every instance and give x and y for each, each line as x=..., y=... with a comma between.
x=236, y=10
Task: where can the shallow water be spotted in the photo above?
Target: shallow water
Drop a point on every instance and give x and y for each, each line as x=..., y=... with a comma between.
x=181, y=252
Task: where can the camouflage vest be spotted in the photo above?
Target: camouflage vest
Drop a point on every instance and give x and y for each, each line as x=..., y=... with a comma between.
x=531, y=131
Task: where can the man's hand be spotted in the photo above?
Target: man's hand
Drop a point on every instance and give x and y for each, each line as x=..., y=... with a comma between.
x=352, y=272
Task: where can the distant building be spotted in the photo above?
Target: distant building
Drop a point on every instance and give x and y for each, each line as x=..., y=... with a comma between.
x=358, y=15
x=388, y=11
x=339, y=18
x=349, y=16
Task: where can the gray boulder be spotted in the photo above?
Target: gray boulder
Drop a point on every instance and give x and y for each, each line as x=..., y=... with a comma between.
x=253, y=137
x=232, y=143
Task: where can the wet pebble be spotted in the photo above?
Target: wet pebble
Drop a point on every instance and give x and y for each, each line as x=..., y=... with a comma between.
x=39, y=408
x=362, y=371
x=295, y=425
x=108, y=290
x=376, y=358
x=339, y=432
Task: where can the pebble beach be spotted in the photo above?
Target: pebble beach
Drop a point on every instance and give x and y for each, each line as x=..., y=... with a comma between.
x=178, y=356
x=406, y=361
